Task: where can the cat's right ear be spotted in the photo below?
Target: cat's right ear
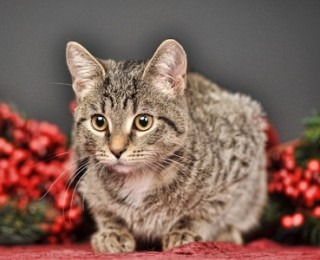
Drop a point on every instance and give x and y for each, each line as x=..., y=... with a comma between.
x=86, y=71
x=167, y=68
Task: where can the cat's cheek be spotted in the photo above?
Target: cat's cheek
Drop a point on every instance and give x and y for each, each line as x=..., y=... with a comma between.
x=90, y=148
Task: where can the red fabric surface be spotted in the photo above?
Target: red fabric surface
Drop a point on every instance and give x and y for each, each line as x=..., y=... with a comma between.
x=261, y=249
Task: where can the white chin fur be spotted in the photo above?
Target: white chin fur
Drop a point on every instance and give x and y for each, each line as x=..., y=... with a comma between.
x=125, y=169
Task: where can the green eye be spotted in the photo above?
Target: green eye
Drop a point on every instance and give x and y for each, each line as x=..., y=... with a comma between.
x=99, y=122
x=143, y=122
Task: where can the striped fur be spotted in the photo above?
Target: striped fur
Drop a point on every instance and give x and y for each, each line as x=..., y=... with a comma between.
x=201, y=167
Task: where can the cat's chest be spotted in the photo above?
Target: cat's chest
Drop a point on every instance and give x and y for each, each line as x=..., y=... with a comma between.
x=134, y=190
x=148, y=206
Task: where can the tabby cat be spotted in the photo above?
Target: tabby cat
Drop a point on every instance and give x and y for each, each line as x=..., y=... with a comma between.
x=169, y=156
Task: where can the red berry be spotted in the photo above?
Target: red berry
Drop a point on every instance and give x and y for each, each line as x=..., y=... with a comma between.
x=49, y=129
x=313, y=165
x=3, y=199
x=289, y=162
x=308, y=174
x=310, y=195
x=5, y=111
x=5, y=147
x=316, y=212
x=44, y=141
x=19, y=136
x=298, y=173
x=74, y=213
x=271, y=187
x=289, y=191
x=289, y=180
x=297, y=220
x=311, y=192
x=60, y=220
x=24, y=182
x=279, y=187
x=63, y=199
x=13, y=177
x=40, y=168
x=283, y=173
x=56, y=228
x=286, y=221
x=4, y=164
x=18, y=156
x=16, y=120
x=303, y=185
x=27, y=168
x=290, y=149
x=31, y=126
x=36, y=147
x=34, y=181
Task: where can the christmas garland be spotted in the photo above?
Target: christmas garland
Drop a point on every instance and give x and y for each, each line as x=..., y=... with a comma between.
x=293, y=211
x=36, y=200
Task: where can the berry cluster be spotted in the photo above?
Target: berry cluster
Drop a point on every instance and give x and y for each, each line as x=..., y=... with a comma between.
x=34, y=165
x=300, y=185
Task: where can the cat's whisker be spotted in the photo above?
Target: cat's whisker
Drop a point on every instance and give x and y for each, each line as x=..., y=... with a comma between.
x=184, y=158
x=75, y=191
x=95, y=168
x=84, y=192
x=76, y=186
x=184, y=167
x=73, y=164
x=50, y=158
x=70, y=183
x=60, y=83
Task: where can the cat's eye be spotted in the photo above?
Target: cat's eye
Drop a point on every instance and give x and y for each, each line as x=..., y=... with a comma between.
x=99, y=122
x=143, y=122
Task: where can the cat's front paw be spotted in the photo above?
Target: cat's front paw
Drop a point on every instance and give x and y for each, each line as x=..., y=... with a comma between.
x=113, y=241
x=178, y=237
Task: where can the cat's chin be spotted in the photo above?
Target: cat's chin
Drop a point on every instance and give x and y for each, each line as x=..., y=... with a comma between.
x=123, y=168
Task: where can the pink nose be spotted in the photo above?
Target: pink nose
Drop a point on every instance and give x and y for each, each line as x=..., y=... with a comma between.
x=118, y=152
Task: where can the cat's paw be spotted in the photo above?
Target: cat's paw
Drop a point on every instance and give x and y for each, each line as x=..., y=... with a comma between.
x=113, y=241
x=178, y=237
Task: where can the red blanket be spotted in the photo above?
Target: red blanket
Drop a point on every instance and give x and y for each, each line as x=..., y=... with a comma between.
x=261, y=249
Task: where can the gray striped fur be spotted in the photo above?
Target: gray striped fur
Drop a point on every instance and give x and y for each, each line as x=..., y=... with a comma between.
x=202, y=174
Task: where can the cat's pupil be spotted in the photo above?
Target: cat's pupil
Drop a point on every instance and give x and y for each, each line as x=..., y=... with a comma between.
x=143, y=121
x=100, y=121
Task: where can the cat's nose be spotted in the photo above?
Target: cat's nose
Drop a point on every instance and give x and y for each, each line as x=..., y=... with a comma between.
x=118, y=144
x=118, y=152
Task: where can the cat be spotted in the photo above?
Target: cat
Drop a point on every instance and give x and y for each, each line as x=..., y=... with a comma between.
x=168, y=154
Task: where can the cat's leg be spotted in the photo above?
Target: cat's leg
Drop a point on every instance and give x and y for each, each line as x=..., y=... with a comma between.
x=231, y=235
x=112, y=236
x=189, y=230
x=182, y=232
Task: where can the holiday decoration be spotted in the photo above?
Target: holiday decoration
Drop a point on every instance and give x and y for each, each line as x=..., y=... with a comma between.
x=294, y=188
x=37, y=202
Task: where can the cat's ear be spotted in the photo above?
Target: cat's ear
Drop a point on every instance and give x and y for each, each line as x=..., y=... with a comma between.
x=86, y=71
x=167, y=68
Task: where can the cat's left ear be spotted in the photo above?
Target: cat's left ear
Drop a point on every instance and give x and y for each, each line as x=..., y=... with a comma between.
x=86, y=71
x=167, y=68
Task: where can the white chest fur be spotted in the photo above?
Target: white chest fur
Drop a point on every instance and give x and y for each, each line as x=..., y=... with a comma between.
x=136, y=188
x=143, y=222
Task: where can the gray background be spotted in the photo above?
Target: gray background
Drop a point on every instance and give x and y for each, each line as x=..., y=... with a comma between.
x=268, y=49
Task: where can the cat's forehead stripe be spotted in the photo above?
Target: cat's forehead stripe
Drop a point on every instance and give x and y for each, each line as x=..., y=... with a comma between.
x=121, y=92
